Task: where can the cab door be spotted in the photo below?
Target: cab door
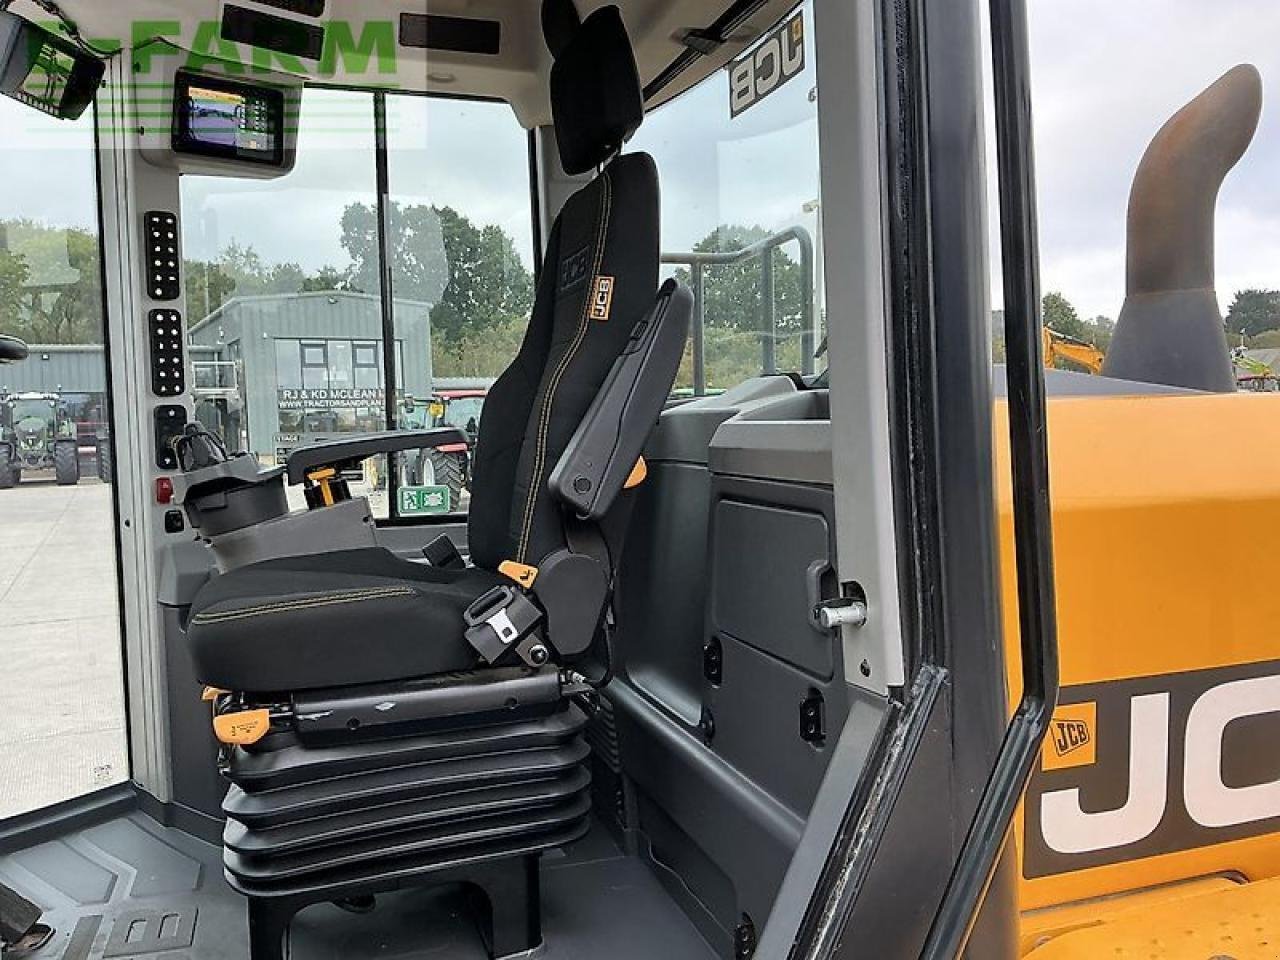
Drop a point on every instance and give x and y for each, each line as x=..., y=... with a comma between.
x=62, y=691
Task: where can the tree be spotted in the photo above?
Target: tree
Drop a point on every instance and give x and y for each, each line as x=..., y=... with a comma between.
x=51, y=283
x=472, y=275
x=732, y=294
x=732, y=307
x=1060, y=316
x=240, y=271
x=1103, y=329
x=1253, y=312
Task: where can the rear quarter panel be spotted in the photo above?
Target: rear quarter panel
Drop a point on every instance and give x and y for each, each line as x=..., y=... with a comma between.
x=1166, y=518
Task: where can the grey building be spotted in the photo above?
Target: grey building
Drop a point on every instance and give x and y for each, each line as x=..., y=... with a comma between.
x=274, y=372
x=76, y=372
x=57, y=368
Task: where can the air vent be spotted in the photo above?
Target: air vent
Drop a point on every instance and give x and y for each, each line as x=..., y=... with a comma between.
x=241, y=25
x=428, y=31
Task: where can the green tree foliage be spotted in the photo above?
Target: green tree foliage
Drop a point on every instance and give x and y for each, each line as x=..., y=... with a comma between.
x=1253, y=312
x=50, y=283
x=733, y=305
x=472, y=274
x=240, y=271
x=1103, y=329
x=1058, y=314
x=481, y=291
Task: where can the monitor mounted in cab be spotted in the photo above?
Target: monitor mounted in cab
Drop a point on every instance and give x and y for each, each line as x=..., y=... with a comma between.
x=228, y=119
x=46, y=71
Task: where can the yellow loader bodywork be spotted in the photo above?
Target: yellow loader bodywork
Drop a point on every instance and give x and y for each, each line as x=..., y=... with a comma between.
x=1167, y=615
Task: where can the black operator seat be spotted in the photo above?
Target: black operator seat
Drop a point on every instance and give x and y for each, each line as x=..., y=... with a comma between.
x=559, y=440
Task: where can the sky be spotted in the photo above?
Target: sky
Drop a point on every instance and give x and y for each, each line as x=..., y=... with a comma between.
x=1106, y=75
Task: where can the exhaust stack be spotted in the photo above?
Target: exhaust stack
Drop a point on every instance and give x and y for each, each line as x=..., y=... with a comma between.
x=1170, y=330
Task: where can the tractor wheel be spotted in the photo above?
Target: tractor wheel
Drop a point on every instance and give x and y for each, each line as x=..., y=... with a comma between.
x=106, y=465
x=8, y=473
x=451, y=472
x=66, y=464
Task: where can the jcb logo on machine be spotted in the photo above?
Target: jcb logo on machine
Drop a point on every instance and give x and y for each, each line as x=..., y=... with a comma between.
x=602, y=299
x=1070, y=742
x=777, y=59
x=1139, y=768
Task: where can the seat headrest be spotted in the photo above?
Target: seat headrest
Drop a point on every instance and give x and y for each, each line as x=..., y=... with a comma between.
x=596, y=99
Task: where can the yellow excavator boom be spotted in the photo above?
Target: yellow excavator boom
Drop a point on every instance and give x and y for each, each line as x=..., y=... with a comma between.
x=1058, y=346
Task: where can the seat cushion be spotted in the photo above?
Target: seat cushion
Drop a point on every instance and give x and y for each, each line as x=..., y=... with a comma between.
x=332, y=619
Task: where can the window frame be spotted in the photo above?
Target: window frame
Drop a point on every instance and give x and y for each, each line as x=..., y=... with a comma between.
x=391, y=365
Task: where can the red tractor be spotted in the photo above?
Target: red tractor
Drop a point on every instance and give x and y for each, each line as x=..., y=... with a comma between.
x=450, y=465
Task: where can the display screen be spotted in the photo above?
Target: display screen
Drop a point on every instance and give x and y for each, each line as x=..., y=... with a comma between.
x=45, y=71
x=227, y=119
x=50, y=75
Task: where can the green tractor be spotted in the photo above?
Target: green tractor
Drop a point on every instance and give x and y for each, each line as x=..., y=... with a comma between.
x=37, y=433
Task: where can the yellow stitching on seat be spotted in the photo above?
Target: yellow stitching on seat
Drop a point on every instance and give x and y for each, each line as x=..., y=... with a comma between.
x=289, y=606
x=553, y=387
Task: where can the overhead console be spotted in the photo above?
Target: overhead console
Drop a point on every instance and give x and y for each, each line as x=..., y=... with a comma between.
x=218, y=124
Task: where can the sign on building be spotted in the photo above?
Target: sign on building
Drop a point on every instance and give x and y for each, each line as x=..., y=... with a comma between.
x=331, y=399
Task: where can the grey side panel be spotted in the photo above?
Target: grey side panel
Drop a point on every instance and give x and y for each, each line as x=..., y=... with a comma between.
x=662, y=588
x=684, y=432
x=193, y=752
x=1068, y=383
x=732, y=544
x=771, y=567
x=788, y=438
x=184, y=569
x=197, y=785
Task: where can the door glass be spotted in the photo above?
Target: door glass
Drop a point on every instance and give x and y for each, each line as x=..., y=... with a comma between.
x=742, y=211
x=284, y=297
x=462, y=274
x=62, y=711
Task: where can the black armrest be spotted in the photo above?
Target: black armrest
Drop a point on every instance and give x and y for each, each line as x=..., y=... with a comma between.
x=348, y=454
x=603, y=452
x=12, y=349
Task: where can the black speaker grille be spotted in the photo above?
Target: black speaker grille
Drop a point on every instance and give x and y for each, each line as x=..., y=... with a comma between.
x=305, y=8
x=429, y=31
x=241, y=25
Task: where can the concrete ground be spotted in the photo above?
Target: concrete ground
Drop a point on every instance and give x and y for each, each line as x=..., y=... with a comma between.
x=62, y=715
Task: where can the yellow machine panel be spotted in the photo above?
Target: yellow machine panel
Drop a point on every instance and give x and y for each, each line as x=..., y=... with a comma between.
x=1161, y=764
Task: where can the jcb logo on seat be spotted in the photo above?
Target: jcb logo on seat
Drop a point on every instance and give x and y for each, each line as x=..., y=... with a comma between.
x=778, y=58
x=602, y=299
x=1138, y=768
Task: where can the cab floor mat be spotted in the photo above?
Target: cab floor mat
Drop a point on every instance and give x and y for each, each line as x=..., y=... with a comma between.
x=130, y=888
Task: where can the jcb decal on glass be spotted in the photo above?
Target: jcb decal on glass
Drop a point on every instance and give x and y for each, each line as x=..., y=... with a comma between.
x=775, y=60
x=602, y=299
x=1139, y=768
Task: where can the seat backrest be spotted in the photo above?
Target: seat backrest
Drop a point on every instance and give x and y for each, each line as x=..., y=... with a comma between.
x=599, y=278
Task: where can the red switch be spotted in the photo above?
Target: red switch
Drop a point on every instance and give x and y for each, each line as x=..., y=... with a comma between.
x=164, y=490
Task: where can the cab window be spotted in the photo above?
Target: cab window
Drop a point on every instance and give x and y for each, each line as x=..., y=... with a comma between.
x=742, y=210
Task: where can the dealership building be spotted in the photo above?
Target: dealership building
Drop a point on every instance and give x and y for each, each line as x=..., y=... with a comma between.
x=269, y=373
x=76, y=372
x=275, y=372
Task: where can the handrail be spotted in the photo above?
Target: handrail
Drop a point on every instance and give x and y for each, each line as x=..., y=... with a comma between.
x=698, y=261
x=1032, y=515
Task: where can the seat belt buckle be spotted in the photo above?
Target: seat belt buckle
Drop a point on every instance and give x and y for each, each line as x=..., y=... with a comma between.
x=503, y=621
x=443, y=553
